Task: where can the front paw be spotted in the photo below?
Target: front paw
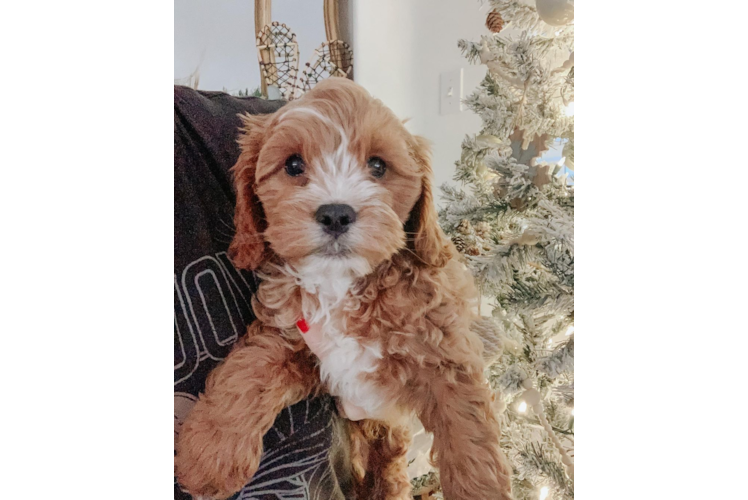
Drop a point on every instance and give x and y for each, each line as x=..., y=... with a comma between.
x=212, y=463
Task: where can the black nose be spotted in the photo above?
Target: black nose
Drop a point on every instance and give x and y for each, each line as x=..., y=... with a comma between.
x=335, y=219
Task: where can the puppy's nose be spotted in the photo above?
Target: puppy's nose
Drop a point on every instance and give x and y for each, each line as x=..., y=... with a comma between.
x=335, y=219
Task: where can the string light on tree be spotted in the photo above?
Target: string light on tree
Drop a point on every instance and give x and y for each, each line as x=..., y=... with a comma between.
x=543, y=493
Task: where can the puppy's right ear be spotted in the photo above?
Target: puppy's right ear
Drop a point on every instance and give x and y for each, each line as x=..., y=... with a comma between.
x=247, y=249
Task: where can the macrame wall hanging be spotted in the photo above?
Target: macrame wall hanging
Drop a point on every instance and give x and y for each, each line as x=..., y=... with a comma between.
x=278, y=55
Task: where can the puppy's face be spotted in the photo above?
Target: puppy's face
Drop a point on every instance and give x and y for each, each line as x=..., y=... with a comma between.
x=332, y=177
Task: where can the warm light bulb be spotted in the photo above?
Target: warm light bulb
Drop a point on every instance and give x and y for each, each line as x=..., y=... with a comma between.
x=522, y=407
x=570, y=330
x=543, y=493
x=572, y=412
x=550, y=342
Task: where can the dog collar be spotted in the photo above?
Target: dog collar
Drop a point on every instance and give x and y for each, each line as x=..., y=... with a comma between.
x=302, y=325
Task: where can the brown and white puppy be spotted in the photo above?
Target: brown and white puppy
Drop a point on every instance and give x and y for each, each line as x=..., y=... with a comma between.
x=335, y=211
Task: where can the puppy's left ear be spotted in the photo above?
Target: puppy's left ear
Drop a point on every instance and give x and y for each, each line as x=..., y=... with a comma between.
x=426, y=237
x=248, y=248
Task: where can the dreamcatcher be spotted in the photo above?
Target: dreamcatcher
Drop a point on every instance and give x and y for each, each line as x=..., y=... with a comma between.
x=278, y=54
x=330, y=59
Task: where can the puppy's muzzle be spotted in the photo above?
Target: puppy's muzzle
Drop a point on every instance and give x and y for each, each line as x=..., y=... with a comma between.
x=335, y=219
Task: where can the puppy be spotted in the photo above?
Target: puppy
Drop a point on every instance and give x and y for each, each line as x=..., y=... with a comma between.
x=335, y=212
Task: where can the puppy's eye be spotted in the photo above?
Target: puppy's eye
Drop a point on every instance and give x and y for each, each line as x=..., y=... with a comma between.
x=377, y=166
x=295, y=165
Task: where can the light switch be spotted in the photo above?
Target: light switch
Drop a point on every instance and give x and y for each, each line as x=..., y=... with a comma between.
x=450, y=89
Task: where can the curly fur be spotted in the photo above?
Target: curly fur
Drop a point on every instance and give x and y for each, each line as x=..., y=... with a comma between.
x=406, y=297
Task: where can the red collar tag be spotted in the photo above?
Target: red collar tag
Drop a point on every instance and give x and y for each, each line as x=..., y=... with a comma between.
x=302, y=325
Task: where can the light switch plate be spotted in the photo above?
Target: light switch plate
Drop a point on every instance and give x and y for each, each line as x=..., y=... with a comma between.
x=450, y=92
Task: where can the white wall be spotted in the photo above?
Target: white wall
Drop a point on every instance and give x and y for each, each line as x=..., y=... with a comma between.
x=219, y=36
x=400, y=49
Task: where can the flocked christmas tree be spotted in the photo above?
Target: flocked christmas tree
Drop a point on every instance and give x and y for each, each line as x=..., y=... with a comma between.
x=513, y=220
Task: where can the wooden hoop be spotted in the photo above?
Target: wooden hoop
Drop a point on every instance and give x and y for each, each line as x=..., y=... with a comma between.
x=263, y=11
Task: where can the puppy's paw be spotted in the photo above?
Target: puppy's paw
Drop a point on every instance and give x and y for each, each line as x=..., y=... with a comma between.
x=212, y=464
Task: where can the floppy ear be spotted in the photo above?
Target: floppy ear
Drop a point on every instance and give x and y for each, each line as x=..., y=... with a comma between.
x=426, y=237
x=247, y=249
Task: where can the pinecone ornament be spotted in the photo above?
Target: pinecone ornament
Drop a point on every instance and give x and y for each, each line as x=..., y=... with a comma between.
x=460, y=243
x=483, y=229
x=494, y=21
x=499, y=189
x=472, y=250
x=464, y=227
x=517, y=203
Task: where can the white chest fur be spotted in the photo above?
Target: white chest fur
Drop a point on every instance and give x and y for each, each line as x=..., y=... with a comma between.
x=343, y=363
x=344, y=360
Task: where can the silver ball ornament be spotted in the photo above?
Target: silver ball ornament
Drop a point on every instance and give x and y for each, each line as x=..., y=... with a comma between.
x=555, y=12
